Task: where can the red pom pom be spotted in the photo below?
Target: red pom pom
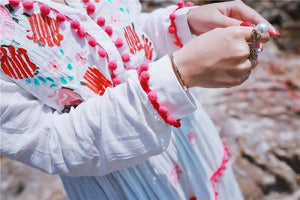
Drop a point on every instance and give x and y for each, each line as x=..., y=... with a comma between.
x=102, y=52
x=171, y=120
x=144, y=77
x=216, y=193
x=119, y=42
x=171, y=29
x=45, y=9
x=125, y=57
x=108, y=30
x=112, y=65
x=14, y=3
x=193, y=198
x=85, y=1
x=81, y=32
x=101, y=21
x=116, y=80
x=189, y=4
x=172, y=16
x=92, y=42
x=75, y=24
x=144, y=66
x=60, y=17
x=28, y=5
x=180, y=4
x=163, y=111
x=152, y=96
x=90, y=8
x=177, y=42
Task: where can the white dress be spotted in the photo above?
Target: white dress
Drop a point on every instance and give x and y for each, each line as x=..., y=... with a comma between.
x=66, y=110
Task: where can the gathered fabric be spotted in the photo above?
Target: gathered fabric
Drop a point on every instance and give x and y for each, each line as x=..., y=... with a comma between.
x=73, y=102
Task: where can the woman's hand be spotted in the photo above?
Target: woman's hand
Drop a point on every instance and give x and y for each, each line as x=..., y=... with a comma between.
x=220, y=15
x=218, y=58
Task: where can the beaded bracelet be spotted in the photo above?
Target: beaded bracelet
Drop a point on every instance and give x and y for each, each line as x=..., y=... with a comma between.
x=177, y=72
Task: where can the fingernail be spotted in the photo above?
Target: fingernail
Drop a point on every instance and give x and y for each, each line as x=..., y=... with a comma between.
x=246, y=24
x=278, y=34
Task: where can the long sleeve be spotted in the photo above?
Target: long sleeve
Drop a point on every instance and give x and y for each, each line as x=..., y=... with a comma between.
x=101, y=135
x=156, y=24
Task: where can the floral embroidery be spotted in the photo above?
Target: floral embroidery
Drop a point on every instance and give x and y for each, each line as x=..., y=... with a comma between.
x=115, y=20
x=45, y=30
x=192, y=138
x=96, y=81
x=7, y=25
x=66, y=97
x=18, y=64
x=81, y=59
x=175, y=171
x=148, y=47
x=132, y=40
x=54, y=66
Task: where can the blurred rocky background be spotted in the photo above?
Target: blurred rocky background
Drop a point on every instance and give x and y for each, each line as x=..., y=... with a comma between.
x=259, y=120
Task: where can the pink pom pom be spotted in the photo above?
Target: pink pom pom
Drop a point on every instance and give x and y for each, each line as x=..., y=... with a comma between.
x=152, y=96
x=216, y=193
x=90, y=8
x=60, y=17
x=125, y=57
x=177, y=124
x=216, y=179
x=172, y=16
x=116, y=80
x=101, y=21
x=28, y=5
x=119, y=42
x=171, y=29
x=45, y=9
x=108, y=30
x=189, y=4
x=180, y=4
x=112, y=65
x=177, y=42
x=85, y=1
x=102, y=52
x=163, y=111
x=75, y=24
x=92, y=42
x=144, y=77
x=171, y=120
x=14, y=3
x=81, y=32
x=144, y=66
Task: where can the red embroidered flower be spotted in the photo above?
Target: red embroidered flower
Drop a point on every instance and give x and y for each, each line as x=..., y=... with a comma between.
x=66, y=97
x=96, y=81
x=7, y=25
x=175, y=171
x=54, y=66
x=192, y=138
x=45, y=30
x=132, y=40
x=148, y=48
x=81, y=59
x=16, y=65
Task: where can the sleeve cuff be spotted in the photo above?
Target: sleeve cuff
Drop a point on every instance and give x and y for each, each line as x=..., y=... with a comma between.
x=169, y=91
x=183, y=29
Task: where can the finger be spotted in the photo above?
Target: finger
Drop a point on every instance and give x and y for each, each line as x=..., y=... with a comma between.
x=226, y=21
x=245, y=67
x=243, y=12
x=247, y=33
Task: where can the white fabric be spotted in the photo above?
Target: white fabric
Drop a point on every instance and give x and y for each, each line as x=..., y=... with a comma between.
x=104, y=133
